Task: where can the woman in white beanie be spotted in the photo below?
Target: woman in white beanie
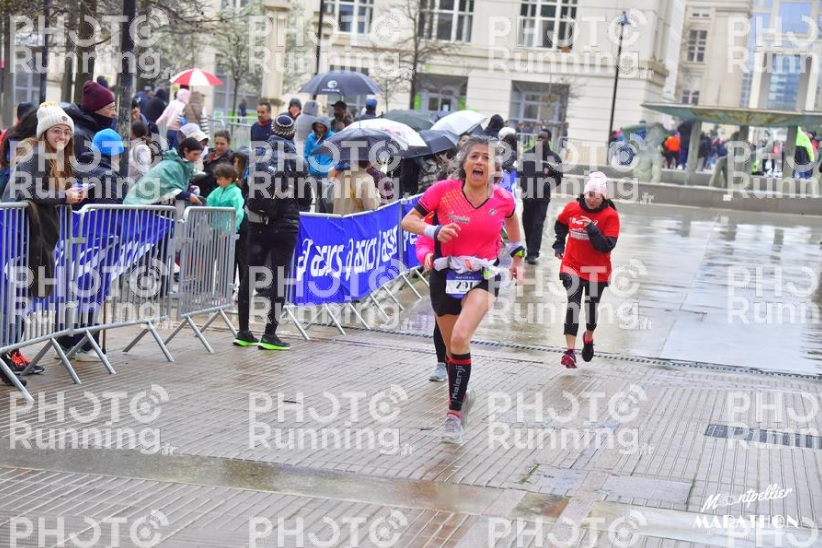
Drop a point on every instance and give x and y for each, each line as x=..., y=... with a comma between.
x=43, y=177
x=591, y=226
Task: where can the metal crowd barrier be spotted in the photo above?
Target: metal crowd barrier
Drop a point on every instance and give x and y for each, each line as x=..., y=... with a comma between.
x=206, y=240
x=139, y=276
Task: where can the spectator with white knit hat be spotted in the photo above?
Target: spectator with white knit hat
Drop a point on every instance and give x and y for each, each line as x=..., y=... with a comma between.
x=590, y=224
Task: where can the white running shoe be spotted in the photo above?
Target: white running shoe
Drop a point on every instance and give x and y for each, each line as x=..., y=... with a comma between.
x=452, y=430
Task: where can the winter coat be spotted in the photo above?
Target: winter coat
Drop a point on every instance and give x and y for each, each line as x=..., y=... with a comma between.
x=230, y=196
x=167, y=180
x=318, y=164
x=537, y=173
x=208, y=183
x=86, y=124
x=279, y=188
x=171, y=115
x=30, y=183
x=195, y=113
x=356, y=192
x=109, y=187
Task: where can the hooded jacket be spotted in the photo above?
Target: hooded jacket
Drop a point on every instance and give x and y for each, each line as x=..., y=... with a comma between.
x=318, y=164
x=167, y=180
x=86, y=124
x=305, y=121
x=495, y=124
x=278, y=188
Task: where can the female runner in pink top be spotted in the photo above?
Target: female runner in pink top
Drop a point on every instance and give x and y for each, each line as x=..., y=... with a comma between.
x=469, y=213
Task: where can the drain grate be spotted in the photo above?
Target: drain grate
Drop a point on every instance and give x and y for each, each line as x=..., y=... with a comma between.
x=662, y=362
x=761, y=435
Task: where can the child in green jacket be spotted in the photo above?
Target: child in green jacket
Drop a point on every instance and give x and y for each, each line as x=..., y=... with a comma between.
x=228, y=194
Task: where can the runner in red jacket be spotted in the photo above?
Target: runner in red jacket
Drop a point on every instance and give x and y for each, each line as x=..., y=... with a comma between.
x=591, y=227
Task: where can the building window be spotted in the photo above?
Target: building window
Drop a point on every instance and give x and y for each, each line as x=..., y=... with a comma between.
x=547, y=24
x=539, y=104
x=26, y=87
x=795, y=17
x=701, y=14
x=697, y=40
x=353, y=16
x=447, y=20
x=440, y=93
x=690, y=97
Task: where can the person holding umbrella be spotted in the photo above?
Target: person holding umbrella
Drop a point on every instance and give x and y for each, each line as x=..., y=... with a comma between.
x=342, y=117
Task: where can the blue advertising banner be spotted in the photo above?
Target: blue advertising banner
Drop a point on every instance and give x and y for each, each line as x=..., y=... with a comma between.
x=113, y=242
x=409, y=239
x=339, y=259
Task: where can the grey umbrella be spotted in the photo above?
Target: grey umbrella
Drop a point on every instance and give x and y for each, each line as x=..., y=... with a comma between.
x=341, y=82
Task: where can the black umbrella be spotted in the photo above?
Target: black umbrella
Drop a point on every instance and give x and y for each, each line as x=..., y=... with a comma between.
x=360, y=144
x=341, y=82
x=413, y=118
x=435, y=141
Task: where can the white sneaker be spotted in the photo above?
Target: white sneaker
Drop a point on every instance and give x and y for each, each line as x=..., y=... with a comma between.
x=86, y=356
x=439, y=374
x=452, y=430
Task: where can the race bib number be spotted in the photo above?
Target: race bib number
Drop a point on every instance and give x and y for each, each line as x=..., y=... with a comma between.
x=457, y=285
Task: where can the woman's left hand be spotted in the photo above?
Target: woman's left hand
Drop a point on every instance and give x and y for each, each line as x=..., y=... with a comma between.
x=516, y=270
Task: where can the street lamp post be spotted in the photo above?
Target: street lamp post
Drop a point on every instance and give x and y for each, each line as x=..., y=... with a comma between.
x=319, y=39
x=623, y=20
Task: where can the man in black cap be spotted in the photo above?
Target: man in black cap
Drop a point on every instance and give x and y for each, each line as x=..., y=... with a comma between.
x=540, y=169
x=295, y=108
x=342, y=118
x=278, y=189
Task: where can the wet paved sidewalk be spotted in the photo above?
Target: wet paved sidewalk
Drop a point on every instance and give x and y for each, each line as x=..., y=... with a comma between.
x=670, y=437
x=336, y=443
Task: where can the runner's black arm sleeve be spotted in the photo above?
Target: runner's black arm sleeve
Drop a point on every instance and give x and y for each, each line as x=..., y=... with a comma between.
x=561, y=231
x=602, y=243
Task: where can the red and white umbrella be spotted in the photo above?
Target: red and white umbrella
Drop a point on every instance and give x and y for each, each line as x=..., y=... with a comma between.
x=196, y=77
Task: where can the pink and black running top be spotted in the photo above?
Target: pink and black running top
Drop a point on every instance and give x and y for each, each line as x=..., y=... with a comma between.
x=480, y=227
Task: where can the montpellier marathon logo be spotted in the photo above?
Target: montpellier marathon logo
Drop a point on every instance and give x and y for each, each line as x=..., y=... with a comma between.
x=725, y=502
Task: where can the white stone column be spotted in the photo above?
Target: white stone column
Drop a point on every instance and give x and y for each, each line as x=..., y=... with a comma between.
x=813, y=82
x=277, y=13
